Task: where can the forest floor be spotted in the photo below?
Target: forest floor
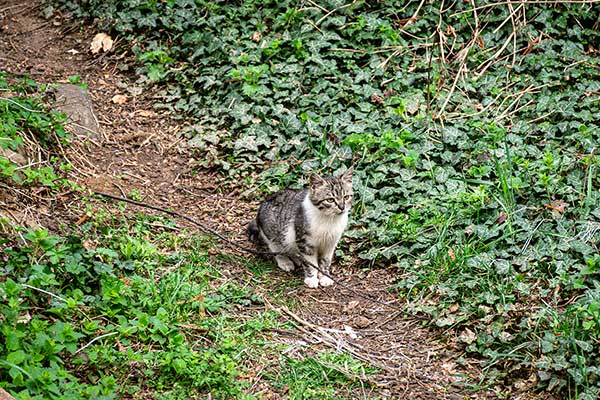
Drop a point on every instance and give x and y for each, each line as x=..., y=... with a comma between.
x=139, y=150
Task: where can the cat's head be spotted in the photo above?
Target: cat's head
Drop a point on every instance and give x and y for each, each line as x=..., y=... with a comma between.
x=332, y=195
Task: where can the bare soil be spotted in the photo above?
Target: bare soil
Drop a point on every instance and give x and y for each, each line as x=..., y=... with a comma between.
x=140, y=150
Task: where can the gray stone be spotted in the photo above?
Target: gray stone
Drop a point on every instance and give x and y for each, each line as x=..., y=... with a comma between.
x=77, y=104
x=13, y=157
x=4, y=395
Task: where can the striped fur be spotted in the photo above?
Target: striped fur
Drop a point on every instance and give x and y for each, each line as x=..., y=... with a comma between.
x=306, y=225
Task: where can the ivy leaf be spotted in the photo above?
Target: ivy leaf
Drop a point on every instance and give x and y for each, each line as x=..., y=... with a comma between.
x=247, y=142
x=16, y=357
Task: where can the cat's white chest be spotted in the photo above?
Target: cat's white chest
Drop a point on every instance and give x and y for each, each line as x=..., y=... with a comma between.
x=325, y=231
x=328, y=230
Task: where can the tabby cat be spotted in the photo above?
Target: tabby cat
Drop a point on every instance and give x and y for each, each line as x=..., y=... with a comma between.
x=304, y=226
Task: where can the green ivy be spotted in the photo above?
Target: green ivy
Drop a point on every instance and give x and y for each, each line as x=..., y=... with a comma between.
x=473, y=128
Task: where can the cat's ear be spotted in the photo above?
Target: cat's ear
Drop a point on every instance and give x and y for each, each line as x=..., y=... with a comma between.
x=316, y=180
x=347, y=175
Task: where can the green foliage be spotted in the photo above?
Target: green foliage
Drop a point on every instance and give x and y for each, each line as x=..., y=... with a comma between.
x=473, y=130
x=23, y=115
x=89, y=292
x=130, y=309
x=311, y=378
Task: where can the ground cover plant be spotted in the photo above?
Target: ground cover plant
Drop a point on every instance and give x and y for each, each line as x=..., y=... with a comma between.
x=127, y=315
x=473, y=127
x=124, y=305
x=24, y=123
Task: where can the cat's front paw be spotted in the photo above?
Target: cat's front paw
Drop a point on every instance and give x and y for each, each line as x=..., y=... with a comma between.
x=312, y=282
x=325, y=281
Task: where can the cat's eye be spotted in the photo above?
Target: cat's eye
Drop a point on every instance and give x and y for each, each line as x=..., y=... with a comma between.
x=347, y=197
x=329, y=200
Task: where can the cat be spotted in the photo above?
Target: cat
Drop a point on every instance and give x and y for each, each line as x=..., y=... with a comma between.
x=304, y=226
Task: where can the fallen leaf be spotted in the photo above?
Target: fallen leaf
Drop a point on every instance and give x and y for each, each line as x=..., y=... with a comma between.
x=468, y=336
x=530, y=383
x=480, y=42
x=23, y=319
x=81, y=220
x=351, y=305
x=451, y=255
x=375, y=98
x=199, y=297
x=502, y=217
x=449, y=367
x=256, y=36
x=119, y=99
x=144, y=113
x=135, y=90
x=361, y=322
x=557, y=205
x=101, y=41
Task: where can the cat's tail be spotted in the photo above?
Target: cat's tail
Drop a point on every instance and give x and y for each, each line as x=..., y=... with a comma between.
x=253, y=232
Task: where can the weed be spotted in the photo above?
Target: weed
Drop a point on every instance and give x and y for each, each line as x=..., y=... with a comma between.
x=311, y=378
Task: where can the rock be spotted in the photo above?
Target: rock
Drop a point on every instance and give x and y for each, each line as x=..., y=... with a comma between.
x=362, y=322
x=13, y=157
x=77, y=104
x=4, y=395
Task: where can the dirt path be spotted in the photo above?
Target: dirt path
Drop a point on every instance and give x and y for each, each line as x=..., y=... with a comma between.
x=139, y=150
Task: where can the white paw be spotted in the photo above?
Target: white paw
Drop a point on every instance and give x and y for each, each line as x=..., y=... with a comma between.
x=312, y=282
x=325, y=281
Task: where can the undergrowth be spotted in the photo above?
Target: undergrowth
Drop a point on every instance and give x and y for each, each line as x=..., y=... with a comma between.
x=26, y=126
x=123, y=307
x=129, y=306
x=473, y=127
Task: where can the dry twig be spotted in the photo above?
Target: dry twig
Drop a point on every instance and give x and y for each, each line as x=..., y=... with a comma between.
x=324, y=337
